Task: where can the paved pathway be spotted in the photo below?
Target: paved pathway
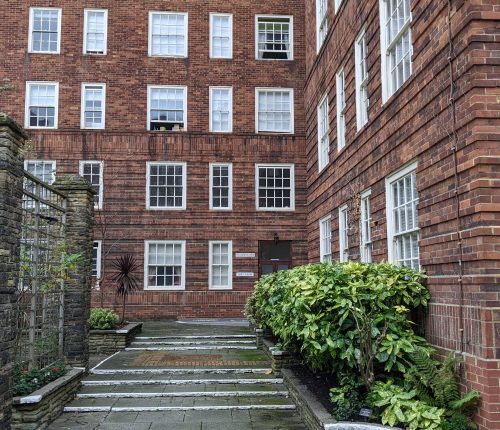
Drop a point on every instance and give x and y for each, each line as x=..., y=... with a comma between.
x=180, y=376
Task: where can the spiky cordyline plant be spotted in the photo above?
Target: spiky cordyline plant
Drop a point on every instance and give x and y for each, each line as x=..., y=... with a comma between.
x=124, y=278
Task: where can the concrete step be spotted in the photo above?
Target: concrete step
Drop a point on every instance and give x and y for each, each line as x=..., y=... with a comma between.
x=173, y=370
x=190, y=348
x=193, y=342
x=181, y=378
x=181, y=390
x=151, y=404
x=200, y=337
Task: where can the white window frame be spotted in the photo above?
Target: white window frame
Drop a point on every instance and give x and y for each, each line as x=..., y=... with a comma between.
x=405, y=170
x=181, y=287
x=343, y=234
x=85, y=30
x=82, y=108
x=183, y=87
x=365, y=240
x=387, y=87
x=27, y=103
x=210, y=113
x=184, y=185
x=211, y=286
x=323, y=160
x=292, y=109
x=98, y=264
x=341, y=110
x=337, y=4
x=54, y=166
x=324, y=256
x=101, y=178
x=319, y=22
x=292, y=187
x=30, y=34
x=150, y=34
x=230, y=16
x=290, y=18
x=230, y=180
x=361, y=82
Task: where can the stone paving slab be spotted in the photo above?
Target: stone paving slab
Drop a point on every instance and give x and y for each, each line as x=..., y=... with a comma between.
x=215, y=420
x=191, y=328
x=193, y=359
x=161, y=389
x=150, y=378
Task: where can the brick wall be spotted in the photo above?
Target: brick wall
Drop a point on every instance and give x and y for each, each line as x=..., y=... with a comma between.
x=416, y=124
x=125, y=146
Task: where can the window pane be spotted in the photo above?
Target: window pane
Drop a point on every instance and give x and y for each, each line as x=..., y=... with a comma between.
x=274, y=111
x=275, y=188
x=274, y=38
x=44, y=30
x=168, y=34
x=166, y=186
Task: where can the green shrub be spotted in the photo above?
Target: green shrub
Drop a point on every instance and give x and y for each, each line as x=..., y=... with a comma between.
x=26, y=381
x=102, y=319
x=323, y=309
x=403, y=407
x=347, y=399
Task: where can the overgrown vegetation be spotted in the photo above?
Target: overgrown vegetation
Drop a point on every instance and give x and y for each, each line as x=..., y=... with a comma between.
x=26, y=381
x=351, y=319
x=102, y=319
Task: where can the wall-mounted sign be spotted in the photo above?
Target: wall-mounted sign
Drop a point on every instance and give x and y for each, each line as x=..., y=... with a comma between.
x=245, y=274
x=245, y=255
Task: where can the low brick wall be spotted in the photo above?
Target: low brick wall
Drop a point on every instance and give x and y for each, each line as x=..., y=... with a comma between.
x=40, y=408
x=110, y=341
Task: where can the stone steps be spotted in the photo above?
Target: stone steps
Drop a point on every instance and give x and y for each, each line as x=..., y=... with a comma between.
x=180, y=379
x=181, y=390
x=188, y=403
x=193, y=377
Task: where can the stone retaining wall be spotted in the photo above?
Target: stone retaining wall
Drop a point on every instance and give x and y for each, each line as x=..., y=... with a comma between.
x=40, y=408
x=110, y=341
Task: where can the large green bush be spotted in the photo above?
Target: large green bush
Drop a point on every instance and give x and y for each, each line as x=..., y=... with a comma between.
x=102, y=319
x=339, y=315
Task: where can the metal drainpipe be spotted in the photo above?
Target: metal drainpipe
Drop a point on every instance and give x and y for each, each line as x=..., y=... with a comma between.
x=454, y=136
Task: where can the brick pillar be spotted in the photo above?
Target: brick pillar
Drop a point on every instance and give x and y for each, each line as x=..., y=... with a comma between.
x=11, y=193
x=79, y=239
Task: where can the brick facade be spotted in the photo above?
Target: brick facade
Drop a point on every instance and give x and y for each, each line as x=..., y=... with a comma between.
x=457, y=166
x=125, y=147
x=416, y=124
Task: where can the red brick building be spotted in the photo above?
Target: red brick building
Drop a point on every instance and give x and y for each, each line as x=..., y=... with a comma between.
x=230, y=139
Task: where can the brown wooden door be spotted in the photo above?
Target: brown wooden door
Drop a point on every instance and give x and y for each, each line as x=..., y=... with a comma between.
x=274, y=256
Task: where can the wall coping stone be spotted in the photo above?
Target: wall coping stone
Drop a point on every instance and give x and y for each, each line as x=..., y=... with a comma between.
x=124, y=330
x=6, y=120
x=38, y=395
x=72, y=183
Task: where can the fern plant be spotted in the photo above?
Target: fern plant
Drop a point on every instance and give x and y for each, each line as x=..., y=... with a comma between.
x=438, y=385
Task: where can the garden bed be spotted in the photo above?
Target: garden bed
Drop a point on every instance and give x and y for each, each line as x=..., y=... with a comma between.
x=111, y=341
x=44, y=405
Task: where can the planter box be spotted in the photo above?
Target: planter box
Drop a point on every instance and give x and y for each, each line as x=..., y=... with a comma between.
x=43, y=406
x=111, y=341
x=313, y=413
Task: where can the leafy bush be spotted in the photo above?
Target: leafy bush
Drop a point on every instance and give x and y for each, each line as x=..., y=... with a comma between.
x=102, y=319
x=26, y=381
x=403, y=407
x=343, y=317
x=346, y=399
